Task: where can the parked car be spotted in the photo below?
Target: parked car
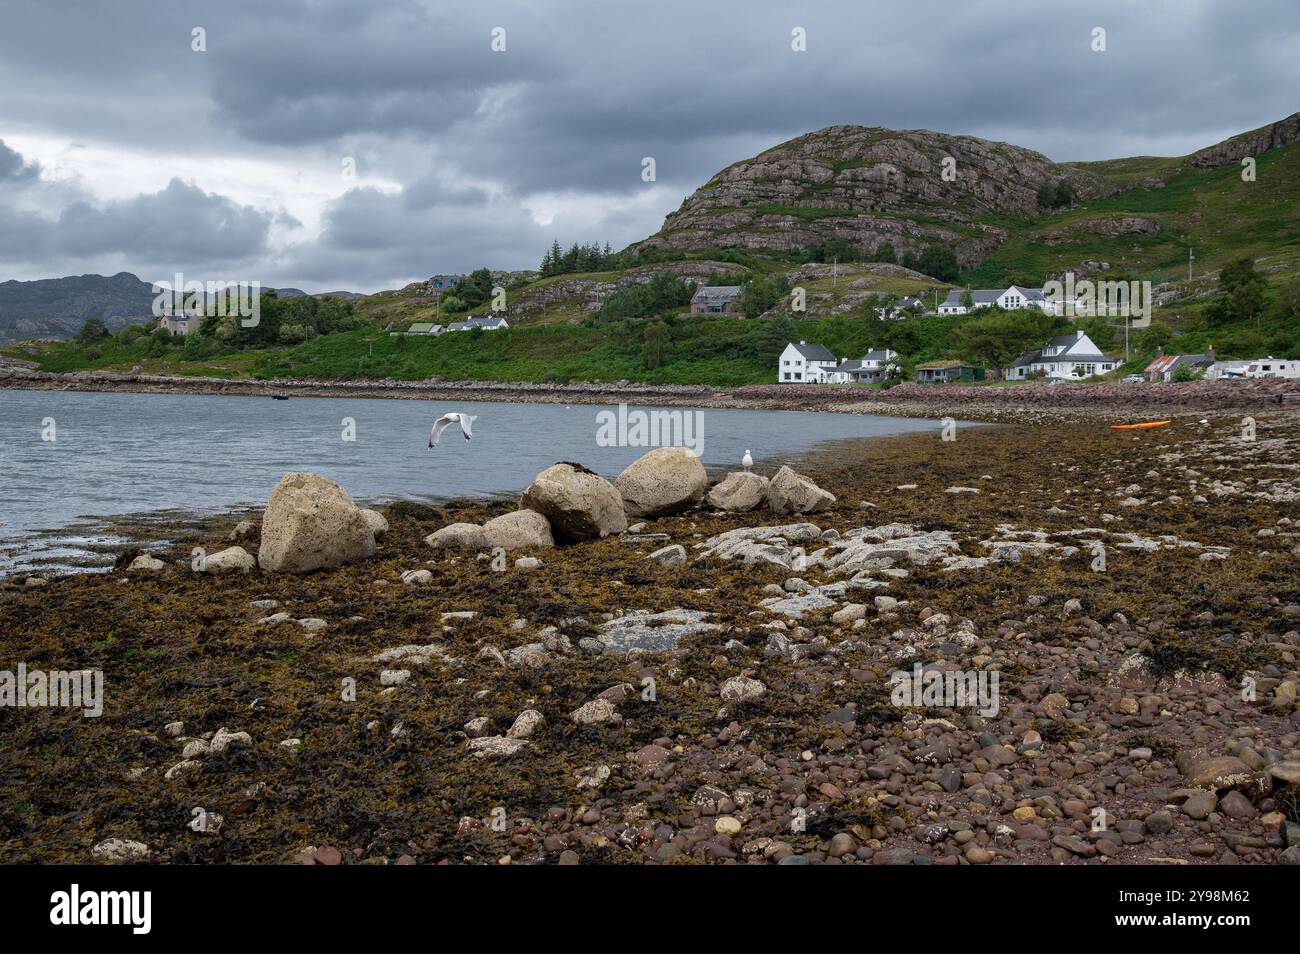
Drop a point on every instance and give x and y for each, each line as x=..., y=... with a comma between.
x=1133, y=379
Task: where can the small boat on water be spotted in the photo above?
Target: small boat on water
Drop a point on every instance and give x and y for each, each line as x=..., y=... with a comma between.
x=1144, y=426
x=279, y=396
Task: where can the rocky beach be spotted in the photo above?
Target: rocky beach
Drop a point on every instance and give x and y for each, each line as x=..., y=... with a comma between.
x=664, y=669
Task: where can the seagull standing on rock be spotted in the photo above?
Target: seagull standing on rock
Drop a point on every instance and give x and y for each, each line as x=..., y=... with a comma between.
x=441, y=424
x=747, y=461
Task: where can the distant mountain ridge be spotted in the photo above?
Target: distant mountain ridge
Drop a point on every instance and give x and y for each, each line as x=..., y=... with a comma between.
x=58, y=307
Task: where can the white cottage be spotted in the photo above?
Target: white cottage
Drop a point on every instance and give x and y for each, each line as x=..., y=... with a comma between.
x=1010, y=299
x=803, y=363
x=1064, y=358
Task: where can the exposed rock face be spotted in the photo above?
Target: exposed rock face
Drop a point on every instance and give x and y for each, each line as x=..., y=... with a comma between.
x=467, y=535
x=738, y=492
x=869, y=187
x=1230, y=151
x=585, y=294
x=518, y=530
x=579, y=504
x=666, y=480
x=790, y=493
x=312, y=523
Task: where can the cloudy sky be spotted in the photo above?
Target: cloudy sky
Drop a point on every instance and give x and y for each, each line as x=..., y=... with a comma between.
x=363, y=144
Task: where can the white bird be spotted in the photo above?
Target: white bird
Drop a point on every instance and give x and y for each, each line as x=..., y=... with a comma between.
x=441, y=424
x=747, y=461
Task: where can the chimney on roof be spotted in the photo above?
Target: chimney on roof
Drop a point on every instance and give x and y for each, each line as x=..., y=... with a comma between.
x=1160, y=351
x=802, y=342
x=1078, y=334
x=1209, y=354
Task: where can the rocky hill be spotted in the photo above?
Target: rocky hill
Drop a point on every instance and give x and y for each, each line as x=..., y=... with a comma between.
x=58, y=307
x=871, y=186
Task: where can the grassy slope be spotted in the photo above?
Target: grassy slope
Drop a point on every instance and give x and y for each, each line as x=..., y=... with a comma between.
x=1212, y=210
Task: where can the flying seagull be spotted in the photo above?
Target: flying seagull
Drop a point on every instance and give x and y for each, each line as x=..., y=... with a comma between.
x=441, y=424
x=747, y=461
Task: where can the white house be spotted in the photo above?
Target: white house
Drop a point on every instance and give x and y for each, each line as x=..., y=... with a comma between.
x=1011, y=299
x=1064, y=358
x=905, y=307
x=805, y=364
x=875, y=365
x=487, y=323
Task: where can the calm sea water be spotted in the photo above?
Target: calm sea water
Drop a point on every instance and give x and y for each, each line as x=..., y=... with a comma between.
x=129, y=454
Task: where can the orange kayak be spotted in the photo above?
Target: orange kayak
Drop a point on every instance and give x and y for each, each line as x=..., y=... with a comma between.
x=1145, y=425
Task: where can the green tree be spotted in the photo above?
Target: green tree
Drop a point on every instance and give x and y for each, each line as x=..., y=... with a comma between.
x=654, y=344
x=885, y=253
x=939, y=261
x=93, y=330
x=995, y=338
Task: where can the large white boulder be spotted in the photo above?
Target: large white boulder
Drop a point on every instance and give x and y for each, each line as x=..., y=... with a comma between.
x=738, y=492
x=312, y=523
x=579, y=504
x=518, y=530
x=789, y=492
x=666, y=480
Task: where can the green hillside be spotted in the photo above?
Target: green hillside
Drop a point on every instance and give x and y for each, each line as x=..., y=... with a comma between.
x=1138, y=221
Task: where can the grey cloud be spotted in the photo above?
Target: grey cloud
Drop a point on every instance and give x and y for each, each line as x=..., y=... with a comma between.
x=583, y=92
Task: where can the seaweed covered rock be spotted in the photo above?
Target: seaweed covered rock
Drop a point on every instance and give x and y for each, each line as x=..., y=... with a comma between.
x=518, y=530
x=738, y=492
x=579, y=504
x=791, y=493
x=312, y=523
x=664, y=481
x=467, y=535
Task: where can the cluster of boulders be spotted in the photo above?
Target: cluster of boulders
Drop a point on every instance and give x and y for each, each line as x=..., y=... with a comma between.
x=567, y=503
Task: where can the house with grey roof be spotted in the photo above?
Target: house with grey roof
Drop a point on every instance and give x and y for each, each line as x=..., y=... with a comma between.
x=1011, y=299
x=715, y=299
x=803, y=363
x=1064, y=358
x=871, y=368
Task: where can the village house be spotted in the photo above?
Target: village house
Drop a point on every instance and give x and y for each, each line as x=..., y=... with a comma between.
x=872, y=368
x=181, y=324
x=424, y=328
x=805, y=364
x=715, y=300
x=905, y=307
x=487, y=323
x=1010, y=299
x=1164, y=366
x=1064, y=358
x=441, y=283
x=942, y=372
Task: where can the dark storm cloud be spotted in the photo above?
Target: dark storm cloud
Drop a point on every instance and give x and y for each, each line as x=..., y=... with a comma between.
x=585, y=90
x=13, y=168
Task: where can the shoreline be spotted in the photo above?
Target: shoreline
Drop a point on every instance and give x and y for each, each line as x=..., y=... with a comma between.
x=980, y=403
x=1105, y=677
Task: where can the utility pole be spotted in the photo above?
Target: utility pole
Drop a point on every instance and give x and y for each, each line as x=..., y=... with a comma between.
x=1191, y=257
x=835, y=272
